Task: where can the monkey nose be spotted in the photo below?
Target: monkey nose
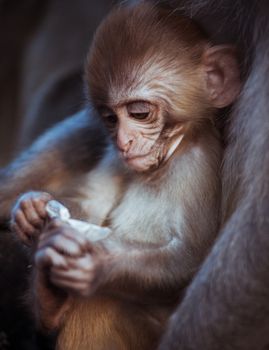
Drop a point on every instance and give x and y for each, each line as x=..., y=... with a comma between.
x=124, y=145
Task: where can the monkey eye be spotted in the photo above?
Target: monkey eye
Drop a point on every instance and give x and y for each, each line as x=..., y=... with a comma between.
x=139, y=110
x=139, y=116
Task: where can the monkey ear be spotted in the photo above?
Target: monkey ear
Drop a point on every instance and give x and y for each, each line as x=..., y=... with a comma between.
x=222, y=75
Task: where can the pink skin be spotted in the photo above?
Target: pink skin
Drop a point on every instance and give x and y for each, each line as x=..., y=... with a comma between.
x=138, y=126
x=75, y=265
x=29, y=215
x=143, y=163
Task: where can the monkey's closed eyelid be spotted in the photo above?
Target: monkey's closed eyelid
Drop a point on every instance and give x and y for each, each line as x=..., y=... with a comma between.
x=139, y=107
x=140, y=116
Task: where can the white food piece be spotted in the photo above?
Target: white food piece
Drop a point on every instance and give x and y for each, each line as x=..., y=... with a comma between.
x=56, y=210
x=91, y=231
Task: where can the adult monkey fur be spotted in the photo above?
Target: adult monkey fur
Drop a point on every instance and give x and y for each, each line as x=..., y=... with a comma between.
x=210, y=91
x=226, y=306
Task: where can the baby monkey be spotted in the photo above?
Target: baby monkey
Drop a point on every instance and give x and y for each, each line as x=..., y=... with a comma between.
x=156, y=82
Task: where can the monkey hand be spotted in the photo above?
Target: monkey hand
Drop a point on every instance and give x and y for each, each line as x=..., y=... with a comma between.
x=73, y=263
x=29, y=215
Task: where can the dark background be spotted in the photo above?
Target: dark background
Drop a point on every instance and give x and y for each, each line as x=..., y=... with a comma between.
x=43, y=45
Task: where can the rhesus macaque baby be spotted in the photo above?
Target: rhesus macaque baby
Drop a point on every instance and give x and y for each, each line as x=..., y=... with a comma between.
x=156, y=82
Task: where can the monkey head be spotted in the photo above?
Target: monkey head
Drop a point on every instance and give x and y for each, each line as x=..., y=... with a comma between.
x=154, y=78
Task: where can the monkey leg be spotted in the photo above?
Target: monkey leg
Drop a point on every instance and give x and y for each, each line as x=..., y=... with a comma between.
x=103, y=323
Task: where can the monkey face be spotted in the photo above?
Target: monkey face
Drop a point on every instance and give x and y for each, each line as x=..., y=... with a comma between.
x=155, y=83
x=137, y=129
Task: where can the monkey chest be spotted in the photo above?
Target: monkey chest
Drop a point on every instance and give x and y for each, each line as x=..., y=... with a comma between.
x=101, y=191
x=130, y=208
x=146, y=216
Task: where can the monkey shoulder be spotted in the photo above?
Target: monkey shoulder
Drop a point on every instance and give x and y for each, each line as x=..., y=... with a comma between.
x=68, y=148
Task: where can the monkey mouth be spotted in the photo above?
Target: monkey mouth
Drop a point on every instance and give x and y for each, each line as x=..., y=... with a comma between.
x=140, y=163
x=132, y=157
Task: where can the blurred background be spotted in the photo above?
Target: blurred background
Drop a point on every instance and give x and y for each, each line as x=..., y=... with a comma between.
x=43, y=44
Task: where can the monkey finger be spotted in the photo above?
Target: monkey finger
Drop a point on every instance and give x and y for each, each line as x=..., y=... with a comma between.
x=74, y=287
x=83, y=263
x=32, y=215
x=67, y=232
x=74, y=235
x=20, y=234
x=21, y=221
x=72, y=279
x=62, y=245
x=68, y=274
x=40, y=202
x=49, y=257
x=73, y=274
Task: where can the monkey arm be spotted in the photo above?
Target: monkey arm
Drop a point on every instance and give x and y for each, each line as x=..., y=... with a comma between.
x=68, y=149
x=134, y=269
x=116, y=267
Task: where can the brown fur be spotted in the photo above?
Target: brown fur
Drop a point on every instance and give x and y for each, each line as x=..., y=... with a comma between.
x=131, y=41
x=142, y=268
